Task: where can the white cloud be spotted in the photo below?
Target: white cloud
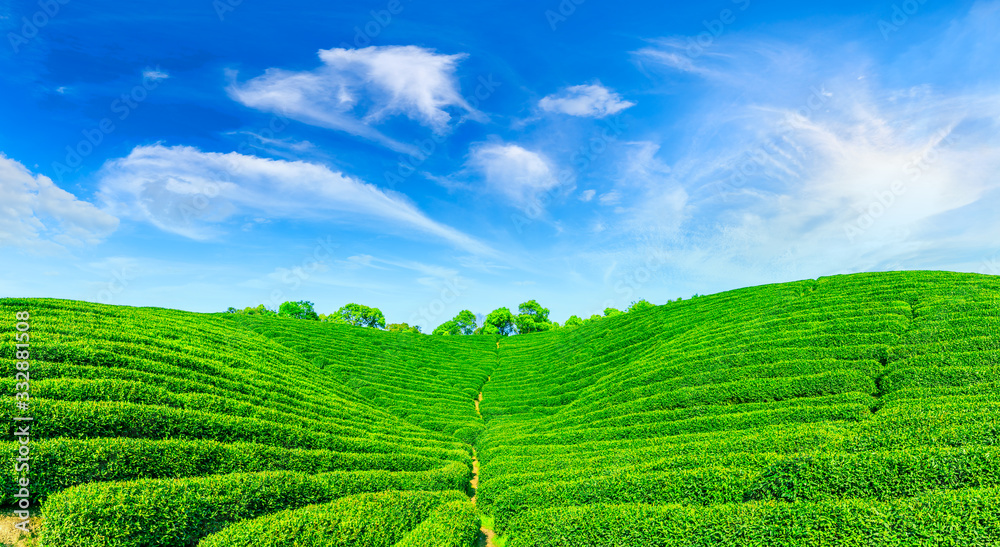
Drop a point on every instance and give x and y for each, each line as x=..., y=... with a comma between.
x=155, y=74
x=809, y=169
x=610, y=198
x=518, y=174
x=36, y=214
x=186, y=191
x=355, y=89
x=587, y=195
x=591, y=101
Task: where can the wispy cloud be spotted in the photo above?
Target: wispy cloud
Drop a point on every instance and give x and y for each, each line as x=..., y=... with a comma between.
x=518, y=174
x=588, y=101
x=38, y=215
x=356, y=89
x=183, y=190
x=804, y=160
x=155, y=74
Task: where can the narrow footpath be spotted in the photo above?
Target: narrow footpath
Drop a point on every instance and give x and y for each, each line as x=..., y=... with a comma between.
x=487, y=537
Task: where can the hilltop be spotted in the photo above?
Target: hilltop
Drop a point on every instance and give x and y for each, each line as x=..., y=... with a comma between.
x=848, y=410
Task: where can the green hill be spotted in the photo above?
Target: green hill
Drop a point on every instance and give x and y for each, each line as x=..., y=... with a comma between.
x=849, y=410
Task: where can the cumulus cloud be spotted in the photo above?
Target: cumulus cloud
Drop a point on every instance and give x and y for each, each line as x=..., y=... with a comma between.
x=183, y=190
x=588, y=101
x=518, y=174
x=356, y=89
x=37, y=214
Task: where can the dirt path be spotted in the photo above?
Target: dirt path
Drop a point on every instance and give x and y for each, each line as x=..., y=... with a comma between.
x=487, y=538
x=9, y=535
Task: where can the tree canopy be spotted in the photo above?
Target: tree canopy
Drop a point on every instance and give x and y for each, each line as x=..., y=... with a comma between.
x=499, y=321
x=463, y=323
x=362, y=316
x=639, y=305
x=259, y=310
x=302, y=309
x=403, y=327
x=573, y=321
x=532, y=317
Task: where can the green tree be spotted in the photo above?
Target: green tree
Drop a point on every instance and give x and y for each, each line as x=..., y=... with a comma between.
x=639, y=305
x=362, y=316
x=499, y=321
x=448, y=328
x=573, y=321
x=259, y=310
x=403, y=327
x=611, y=312
x=463, y=323
x=298, y=310
x=466, y=321
x=331, y=318
x=532, y=317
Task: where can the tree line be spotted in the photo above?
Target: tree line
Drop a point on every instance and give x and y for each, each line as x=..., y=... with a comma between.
x=530, y=317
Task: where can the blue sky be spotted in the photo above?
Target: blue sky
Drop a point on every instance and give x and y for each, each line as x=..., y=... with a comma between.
x=428, y=157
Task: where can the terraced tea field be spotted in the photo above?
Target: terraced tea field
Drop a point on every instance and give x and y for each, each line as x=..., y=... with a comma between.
x=849, y=410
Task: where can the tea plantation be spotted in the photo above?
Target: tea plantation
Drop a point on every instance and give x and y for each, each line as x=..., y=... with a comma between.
x=849, y=410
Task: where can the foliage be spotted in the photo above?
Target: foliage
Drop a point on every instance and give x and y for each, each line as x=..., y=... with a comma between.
x=850, y=410
x=464, y=323
x=573, y=321
x=302, y=309
x=260, y=310
x=639, y=305
x=532, y=317
x=500, y=321
x=403, y=327
x=362, y=316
